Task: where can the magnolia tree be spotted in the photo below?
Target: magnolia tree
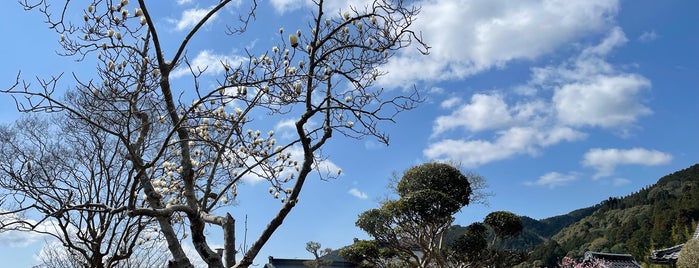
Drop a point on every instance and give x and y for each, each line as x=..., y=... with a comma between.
x=187, y=147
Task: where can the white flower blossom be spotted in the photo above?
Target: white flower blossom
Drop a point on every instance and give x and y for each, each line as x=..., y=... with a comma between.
x=293, y=40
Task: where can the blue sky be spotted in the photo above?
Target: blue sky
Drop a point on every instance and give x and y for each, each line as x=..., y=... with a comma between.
x=558, y=104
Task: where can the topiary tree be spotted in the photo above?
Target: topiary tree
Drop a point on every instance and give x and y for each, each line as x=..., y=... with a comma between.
x=689, y=256
x=430, y=194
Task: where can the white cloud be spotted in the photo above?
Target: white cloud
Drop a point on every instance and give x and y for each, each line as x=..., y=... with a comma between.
x=19, y=239
x=606, y=101
x=329, y=7
x=358, y=194
x=283, y=6
x=207, y=60
x=604, y=161
x=16, y=238
x=182, y=2
x=191, y=17
x=509, y=142
x=588, y=91
x=468, y=37
x=450, y=102
x=584, y=91
x=484, y=112
x=648, y=36
x=620, y=181
x=554, y=179
x=285, y=124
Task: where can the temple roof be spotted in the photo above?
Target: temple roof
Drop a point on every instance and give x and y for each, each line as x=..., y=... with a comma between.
x=666, y=255
x=613, y=260
x=669, y=255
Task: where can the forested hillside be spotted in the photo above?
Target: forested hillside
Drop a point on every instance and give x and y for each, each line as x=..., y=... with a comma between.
x=658, y=216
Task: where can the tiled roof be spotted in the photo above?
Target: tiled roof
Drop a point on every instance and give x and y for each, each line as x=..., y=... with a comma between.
x=302, y=263
x=614, y=260
x=669, y=255
x=666, y=255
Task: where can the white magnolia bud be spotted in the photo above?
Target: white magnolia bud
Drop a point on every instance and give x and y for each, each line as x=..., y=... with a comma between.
x=143, y=21
x=110, y=32
x=346, y=15
x=297, y=88
x=137, y=12
x=293, y=40
x=90, y=8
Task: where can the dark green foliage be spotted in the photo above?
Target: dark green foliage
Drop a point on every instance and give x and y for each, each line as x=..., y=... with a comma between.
x=437, y=177
x=472, y=245
x=476, y=247
x=504, y=223
x=548, y=254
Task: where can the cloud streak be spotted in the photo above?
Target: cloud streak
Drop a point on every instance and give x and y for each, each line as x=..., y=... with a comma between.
x=604, y=161
x=554, y=179
x=357, y=193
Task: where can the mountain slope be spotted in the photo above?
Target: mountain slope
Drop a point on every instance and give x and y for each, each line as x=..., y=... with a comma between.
x=659, y=216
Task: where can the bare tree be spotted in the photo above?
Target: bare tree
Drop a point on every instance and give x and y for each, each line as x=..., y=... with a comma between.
x=57, y=177
x=148, y=254
x=188, y=150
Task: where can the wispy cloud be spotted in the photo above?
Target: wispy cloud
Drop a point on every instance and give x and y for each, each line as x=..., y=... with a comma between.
x=604, y=161
x=554, y=179
x=358, y=194
x=648, y=36
x=191, y=17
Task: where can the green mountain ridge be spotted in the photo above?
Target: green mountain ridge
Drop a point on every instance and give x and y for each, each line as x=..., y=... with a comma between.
x=659, y=216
